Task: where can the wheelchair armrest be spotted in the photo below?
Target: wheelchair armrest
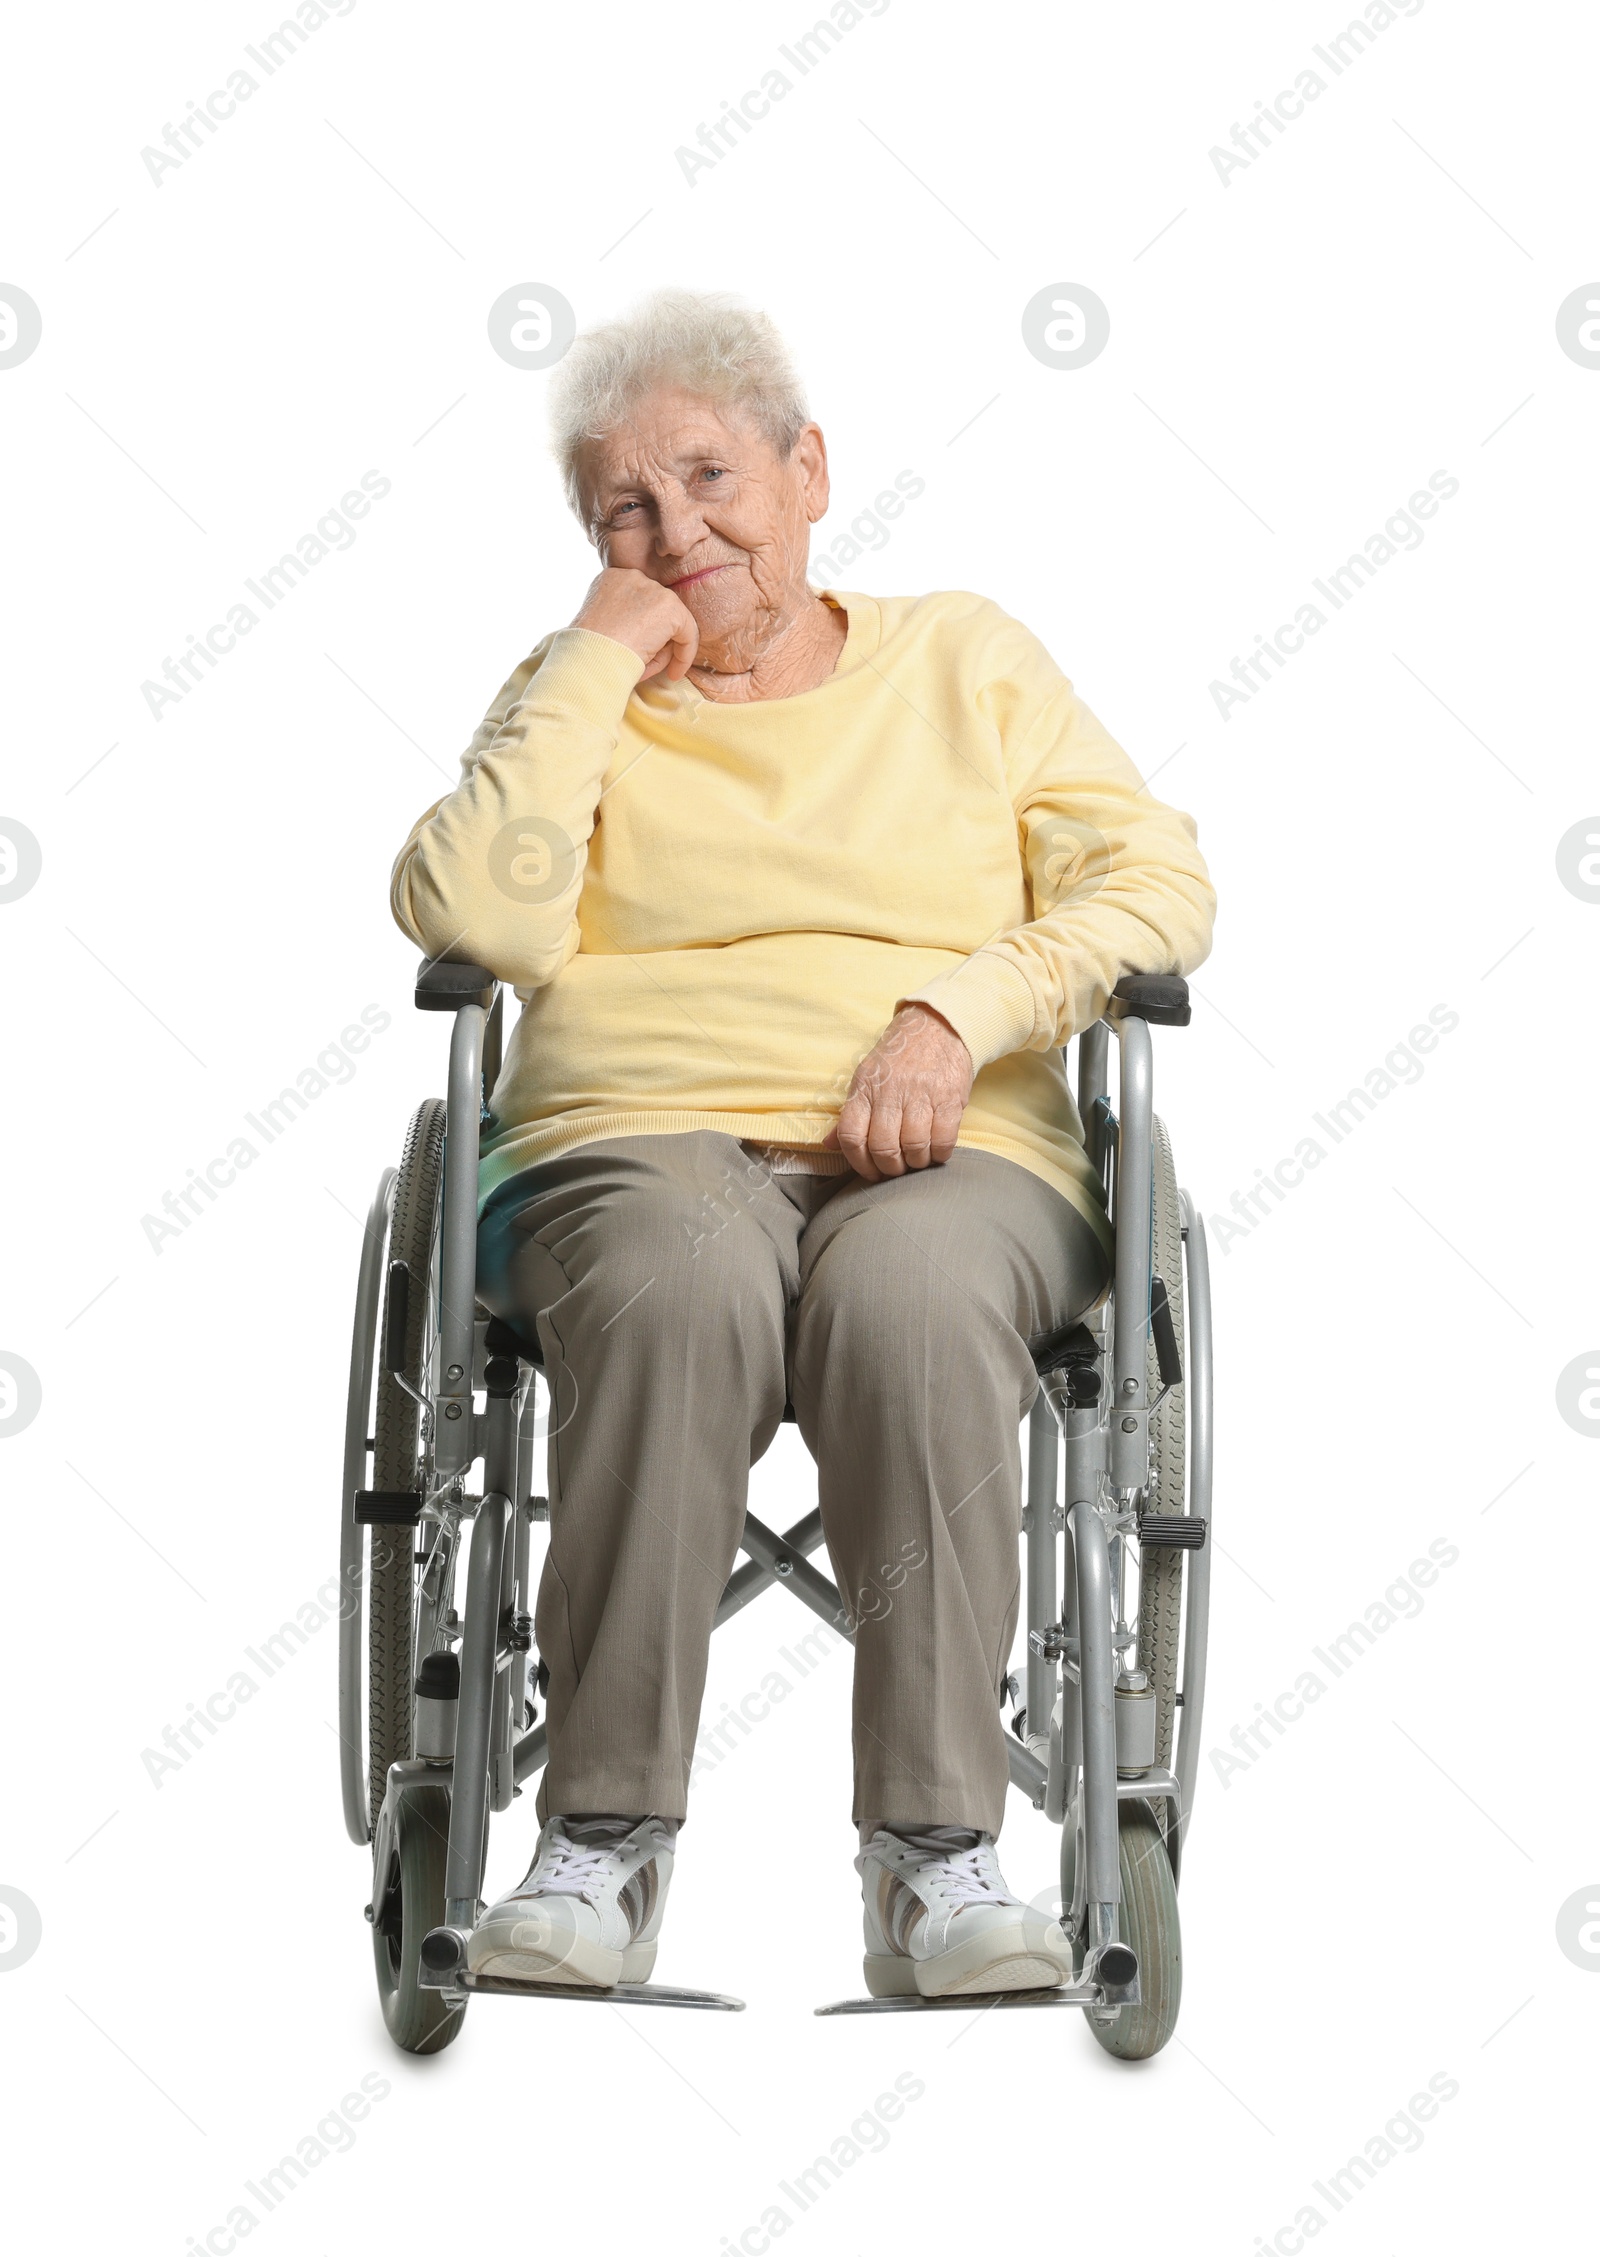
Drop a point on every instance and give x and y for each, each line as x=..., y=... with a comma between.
x=1161, y=998
x=443, y=986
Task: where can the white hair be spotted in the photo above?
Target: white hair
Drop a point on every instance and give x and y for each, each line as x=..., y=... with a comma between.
x=707, y=344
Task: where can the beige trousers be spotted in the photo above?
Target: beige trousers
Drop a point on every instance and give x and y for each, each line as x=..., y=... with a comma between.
x=681, y=1291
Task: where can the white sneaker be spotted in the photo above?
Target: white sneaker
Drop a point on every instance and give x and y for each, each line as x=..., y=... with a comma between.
x=588, y=1912
x=941, y=1921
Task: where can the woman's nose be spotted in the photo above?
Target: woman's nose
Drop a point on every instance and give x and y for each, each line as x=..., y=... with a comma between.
x=679, y=525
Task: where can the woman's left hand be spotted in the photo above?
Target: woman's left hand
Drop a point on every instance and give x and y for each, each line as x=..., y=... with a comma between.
x=907, y=1097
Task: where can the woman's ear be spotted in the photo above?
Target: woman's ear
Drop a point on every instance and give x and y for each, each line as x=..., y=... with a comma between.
x=810, y=456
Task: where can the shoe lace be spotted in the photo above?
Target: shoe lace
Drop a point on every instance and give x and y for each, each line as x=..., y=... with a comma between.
x=970, y=1876
x=575, y=1869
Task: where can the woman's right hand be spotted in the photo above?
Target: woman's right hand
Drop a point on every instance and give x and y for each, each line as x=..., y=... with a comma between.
x=636, y=611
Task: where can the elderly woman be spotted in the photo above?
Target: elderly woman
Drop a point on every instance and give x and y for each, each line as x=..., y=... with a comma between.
x=802, y=892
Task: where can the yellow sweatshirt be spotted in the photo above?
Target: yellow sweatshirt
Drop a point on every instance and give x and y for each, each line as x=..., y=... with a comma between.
x=711, y=912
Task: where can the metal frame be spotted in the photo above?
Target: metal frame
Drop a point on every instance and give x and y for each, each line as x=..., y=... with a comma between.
x=1105, y=1454
x=1087, y=1471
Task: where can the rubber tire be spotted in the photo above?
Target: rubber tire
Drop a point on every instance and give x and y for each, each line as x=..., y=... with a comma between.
x=1160, y=1570
x=1148, y=1919
x=406, y=1903
x=391, y=1568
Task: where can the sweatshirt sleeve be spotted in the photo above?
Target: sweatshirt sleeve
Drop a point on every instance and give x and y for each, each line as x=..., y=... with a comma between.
x=1115, y=880
x=492, y=873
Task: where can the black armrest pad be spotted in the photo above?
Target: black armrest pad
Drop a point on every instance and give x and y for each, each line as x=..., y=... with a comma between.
x=1160, y=997
x=442, y=986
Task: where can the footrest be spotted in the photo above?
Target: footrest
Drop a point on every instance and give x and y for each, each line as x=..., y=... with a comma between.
x=1173, y=1532
x=1059, y=1994
x=621, y=1994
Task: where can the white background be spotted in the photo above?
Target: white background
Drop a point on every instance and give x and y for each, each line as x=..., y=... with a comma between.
x=1371, y=1901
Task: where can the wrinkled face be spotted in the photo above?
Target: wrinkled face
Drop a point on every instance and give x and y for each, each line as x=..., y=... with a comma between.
x=708, y=508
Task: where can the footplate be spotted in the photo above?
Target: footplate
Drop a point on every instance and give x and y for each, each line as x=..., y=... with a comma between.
x=1058, y=1994
x=621, y=1994
x=442, y=1966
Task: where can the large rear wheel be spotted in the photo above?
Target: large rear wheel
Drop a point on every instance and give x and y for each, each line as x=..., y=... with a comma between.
x=1161, y=1567
x=409, y=1319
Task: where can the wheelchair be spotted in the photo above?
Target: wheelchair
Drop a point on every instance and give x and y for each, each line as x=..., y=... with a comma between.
x=440, y=1729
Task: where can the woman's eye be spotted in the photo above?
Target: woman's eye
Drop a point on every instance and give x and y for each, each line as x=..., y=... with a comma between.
x=713, y=474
